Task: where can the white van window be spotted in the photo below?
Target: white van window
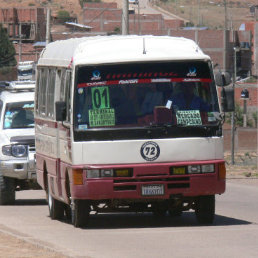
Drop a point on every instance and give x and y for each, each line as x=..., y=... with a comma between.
x=19, y=115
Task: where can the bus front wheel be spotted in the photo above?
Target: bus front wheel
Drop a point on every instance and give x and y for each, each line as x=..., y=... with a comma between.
x=80, y=213
x=205, y=209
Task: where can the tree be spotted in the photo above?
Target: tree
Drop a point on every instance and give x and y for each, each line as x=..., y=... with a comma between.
x=63, y=16
x=7, y=50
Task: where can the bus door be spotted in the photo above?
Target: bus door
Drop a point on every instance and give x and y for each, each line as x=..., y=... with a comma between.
x=63, y=140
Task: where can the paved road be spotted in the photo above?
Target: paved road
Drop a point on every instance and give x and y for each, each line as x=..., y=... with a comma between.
x=234, y=233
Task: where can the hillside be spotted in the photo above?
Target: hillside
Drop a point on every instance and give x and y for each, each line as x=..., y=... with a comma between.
x=207, y=13
x=211, y=13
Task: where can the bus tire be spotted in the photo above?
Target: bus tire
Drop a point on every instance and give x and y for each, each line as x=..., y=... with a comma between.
x=205, y=209
x=7, y=190
x=80, y=213
x=56, y=208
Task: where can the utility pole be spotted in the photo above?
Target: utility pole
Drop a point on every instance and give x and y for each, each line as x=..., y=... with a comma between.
x=198, y=14
x=139, y=20
x=48, y=26
x=20, y=43
x=226, y=14
x=125, y=18
x=236, y=49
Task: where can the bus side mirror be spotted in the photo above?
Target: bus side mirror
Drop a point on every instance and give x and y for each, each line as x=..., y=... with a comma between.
x=222, y=79
x=60, y=110
x=227, y=99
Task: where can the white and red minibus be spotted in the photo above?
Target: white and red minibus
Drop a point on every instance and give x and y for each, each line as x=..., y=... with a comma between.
x=128, y=123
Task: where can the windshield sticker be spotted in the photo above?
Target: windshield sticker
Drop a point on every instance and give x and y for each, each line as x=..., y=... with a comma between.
x=28, y=105
x=96, y=75
x=191, y=117
x=102, y=117
x=100, y=97
x=80, y=91
x=83, y=127
x=192, y=72
x=211, y=117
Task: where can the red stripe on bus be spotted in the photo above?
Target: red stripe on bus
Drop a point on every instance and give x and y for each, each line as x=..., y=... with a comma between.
x=138, y=81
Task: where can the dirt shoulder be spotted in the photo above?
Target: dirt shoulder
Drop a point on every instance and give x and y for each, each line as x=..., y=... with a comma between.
x=245, y=165
x=14, y=247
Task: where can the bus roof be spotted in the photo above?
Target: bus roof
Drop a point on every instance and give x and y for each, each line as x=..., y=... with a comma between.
x=119, y=49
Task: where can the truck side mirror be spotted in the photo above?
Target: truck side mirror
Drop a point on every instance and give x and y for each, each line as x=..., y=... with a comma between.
x=60, y=110
x=227, y=99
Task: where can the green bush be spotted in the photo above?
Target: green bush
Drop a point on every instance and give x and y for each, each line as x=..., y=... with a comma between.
x=63, y=16
x=82, y=2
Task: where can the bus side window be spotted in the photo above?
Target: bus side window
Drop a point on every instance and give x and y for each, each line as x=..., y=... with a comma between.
x=37, y=91
x=1, y=107
x=62, y=86
x=50, y=93
x=67, y=94
x=42, y=92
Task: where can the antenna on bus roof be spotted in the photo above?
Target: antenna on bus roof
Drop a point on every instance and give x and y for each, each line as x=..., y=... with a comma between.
x=144, y=50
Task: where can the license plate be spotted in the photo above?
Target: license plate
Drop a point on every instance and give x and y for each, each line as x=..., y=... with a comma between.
x=150, y=190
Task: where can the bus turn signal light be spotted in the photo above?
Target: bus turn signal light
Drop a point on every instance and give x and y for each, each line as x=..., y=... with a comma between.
x=78, y=176
x=222, y=171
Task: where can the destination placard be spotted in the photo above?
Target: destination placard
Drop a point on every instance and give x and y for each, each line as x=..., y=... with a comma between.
x=188, y=117
x=102, y=117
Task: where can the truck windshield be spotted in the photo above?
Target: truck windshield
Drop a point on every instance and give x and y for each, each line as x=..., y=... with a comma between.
x=19, y=115
x=145, y=94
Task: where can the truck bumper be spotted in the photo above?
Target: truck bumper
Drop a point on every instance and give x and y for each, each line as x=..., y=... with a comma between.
x=19, y=168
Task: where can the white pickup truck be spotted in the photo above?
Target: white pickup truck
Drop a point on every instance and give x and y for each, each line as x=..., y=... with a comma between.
x=17, y=141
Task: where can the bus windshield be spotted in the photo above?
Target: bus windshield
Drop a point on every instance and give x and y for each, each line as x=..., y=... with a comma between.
x=145, y=94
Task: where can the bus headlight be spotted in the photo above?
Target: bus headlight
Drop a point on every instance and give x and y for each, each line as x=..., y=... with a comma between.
x=15, y=150
x=97, y=173
x=92, y=173
x=106, y=172
x=194, y=169
x=208, y=168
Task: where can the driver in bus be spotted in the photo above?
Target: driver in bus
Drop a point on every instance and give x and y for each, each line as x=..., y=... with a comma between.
x=187, y=100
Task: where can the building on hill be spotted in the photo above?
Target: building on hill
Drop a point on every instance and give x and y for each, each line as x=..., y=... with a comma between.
x=252, y=42
x=24, y=26
x=106, y=18
x=27, y=24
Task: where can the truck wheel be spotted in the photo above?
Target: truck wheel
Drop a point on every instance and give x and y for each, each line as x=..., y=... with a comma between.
x=56, y=208
x=80, y=213
x=7, y=190
x=205, y=209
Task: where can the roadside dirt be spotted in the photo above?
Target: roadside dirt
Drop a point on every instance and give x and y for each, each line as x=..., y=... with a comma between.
x=13, y=247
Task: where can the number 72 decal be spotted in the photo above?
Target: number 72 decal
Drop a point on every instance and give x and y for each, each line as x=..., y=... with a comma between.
x=150, y=151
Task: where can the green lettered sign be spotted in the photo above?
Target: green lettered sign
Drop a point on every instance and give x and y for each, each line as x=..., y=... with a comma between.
x=102, y=117
x=188, y=117
x=100, y=97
